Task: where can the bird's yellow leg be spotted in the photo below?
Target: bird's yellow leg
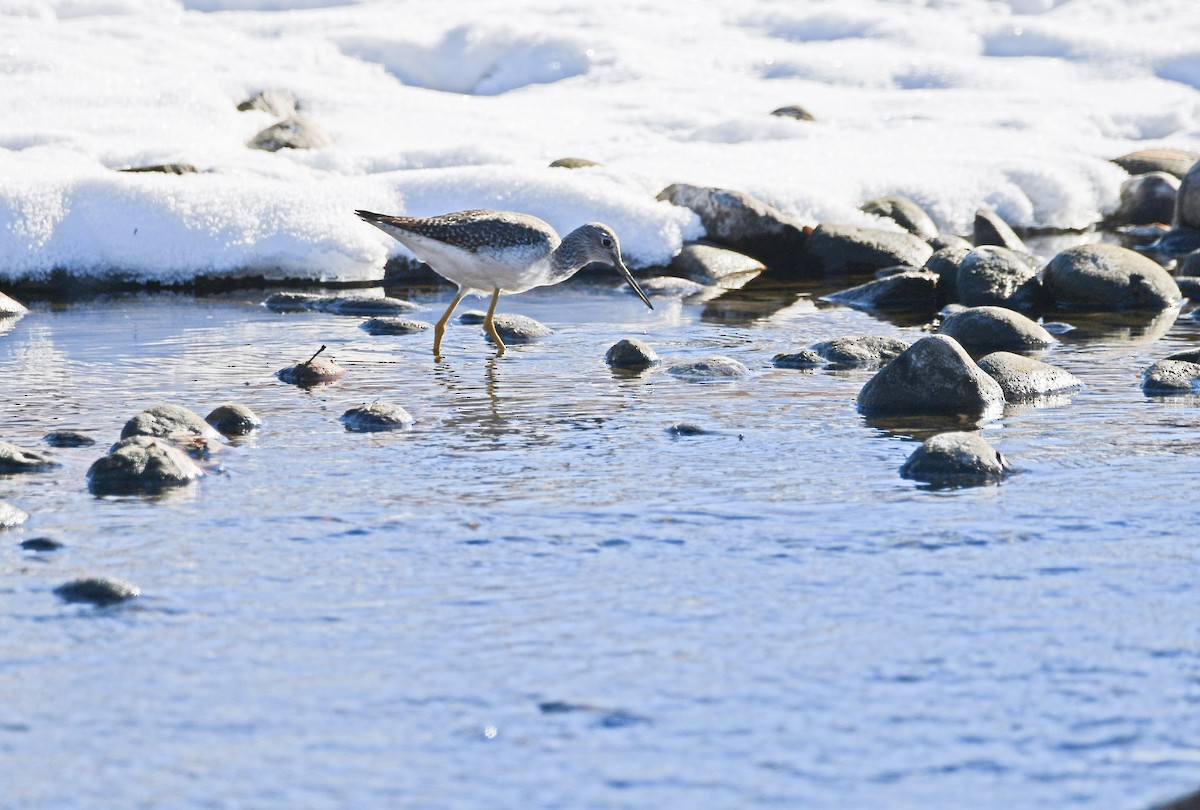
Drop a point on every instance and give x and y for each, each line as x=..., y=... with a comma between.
x=490, y=326
x=439, y=328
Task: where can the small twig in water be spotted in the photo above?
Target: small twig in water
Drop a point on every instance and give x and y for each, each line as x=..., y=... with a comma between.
x=308, y=362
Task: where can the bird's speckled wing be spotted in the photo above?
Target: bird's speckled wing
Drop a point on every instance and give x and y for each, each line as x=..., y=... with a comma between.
x=478, y=231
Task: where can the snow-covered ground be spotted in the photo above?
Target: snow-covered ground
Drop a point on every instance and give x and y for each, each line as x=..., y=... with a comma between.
x=434, y=107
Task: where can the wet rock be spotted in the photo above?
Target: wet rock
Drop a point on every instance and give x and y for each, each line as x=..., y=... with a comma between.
x=838, y=249
x=990, y=328
x=14, y=459
x=905, y=213
x=41, y=544
x=1145, y=199
x=933, y=376
x=1167, y=377
x=472, y=317
x=631, y=353
x=949, y=240
x=955, y=458
x=709, y=369
x=292, y=301
x=68, y=438
x=805, y=358
x=314, y=371
x=860, y=351
x=669, y=287
x=913, y=289
x=687, y=429
x=516, y=329
x=1189, y=355
x=1187, y=201
x=1176, y=242
x=1189, y=265
x=394, y=326
x=945, y=262
x=709, y=264
x=11, y=516
x=165, y=168
x=1172, y=161
x=573, y=163
x=793, y=111
x=10, y=306
x=98, y=591
x=167, y=421
x=294, y=132
x=1107, y=277
x=363, y=305
x=280, y=103
x=233, y=420
x=996, y=276
x=141, y=465
x=743, y=223
x=376, y=417
x=1023, y=378
x=990, y=229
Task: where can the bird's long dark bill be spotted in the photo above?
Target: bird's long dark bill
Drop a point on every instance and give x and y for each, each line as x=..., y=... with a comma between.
x=632, y=283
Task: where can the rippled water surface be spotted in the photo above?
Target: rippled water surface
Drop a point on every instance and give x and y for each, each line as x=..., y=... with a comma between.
x=539, y=596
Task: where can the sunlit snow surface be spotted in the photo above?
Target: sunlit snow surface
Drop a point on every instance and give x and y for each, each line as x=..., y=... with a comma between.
x=434, y=107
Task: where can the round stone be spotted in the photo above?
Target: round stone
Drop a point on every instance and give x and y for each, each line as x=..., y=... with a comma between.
x=709, y=369
x=630, y=353
x=955, y=458
x=98, y=591
x=376, y=417
x=68, y=438
x=233, y=420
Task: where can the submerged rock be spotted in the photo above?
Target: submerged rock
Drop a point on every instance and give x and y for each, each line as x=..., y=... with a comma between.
x=519, y=329
x=41, y=544
x=14, y=459
x=905, y=213
x=631, y=353
x=743, y=222
x=709, y=369
x=956, y=458
x=292, y=301
x=394, y=326
x=910, y=289
x=233, y=420
x=315, y=370
x=990, y=229
x=982, y=328
x=1167, y=377
x=933, y=376
x=709, y=264
x=1108, y=277
x=167, y=421
x=1172, y=161
x=68, y=438
x=1023, y=378
x=10, y=306
x=141, y=465
x=11, y=516
x=293, y=132
x=996, y=276
x=687, y=429
x=859, y=351
x=838, y=249
x=98, y=591
x=376, y=417
x=363, y=305
x=805, y=358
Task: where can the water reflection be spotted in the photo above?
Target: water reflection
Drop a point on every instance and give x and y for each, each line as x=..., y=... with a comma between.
x=1129, y=328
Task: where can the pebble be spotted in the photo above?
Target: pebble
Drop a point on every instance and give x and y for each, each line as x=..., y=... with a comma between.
x=990, y=229
x=990, y=328
x=98, y=591
x=1108, y=277
x=394, y=326
x=997, y=276
x=233, y=420
x=519, y=329
x=11, y=516
x=41, y=544
x=141, y=465
x=1023, y=378
x=933, y=376
x=631, y=353
x=956, y=459
x=904, y=212
x=293, y=132
x=376, y=417
x=10, y=306
x=68, y=438
x=167, y=420
x=14, y=459
x=709, y=369
x=835, y=249
x=1167, y=377
x=908, y=290
x=709, y=264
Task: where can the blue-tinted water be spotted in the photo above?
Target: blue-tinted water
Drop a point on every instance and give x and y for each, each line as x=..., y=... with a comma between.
x=540, y=597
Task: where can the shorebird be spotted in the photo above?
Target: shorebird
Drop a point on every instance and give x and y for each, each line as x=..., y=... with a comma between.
x=485, y=251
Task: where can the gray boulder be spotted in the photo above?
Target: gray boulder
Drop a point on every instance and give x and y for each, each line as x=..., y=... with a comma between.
x=376, y=417
x=743, y=222
x=1108, y=277
x=1172, y=161
x=990, y=229
x=987, y=328
x=905, y=213
x=1023, y=378
x=11, y=516
x=933, y=376
x=835, y=249
x=945, y=262
x=141, y=465
x=14, y=459
x=709, y=264
x=233, y=420
x=630, y=353
x=98, y=591
x=956, y=458
x=394, y=326
x=1167, y=377
x=805, y=358
x=996, y=276
x=859, y=351
x=949, y=240
x=709, y=369
x=1187, y=201
x=10, y=306
x=293, y=132
x=1146, y=199
x=167, y=421
x=912, y=289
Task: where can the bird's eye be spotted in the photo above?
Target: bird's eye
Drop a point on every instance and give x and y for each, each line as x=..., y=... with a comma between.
x=606, y=241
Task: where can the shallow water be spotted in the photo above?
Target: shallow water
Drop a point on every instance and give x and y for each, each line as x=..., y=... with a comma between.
x=540, y=597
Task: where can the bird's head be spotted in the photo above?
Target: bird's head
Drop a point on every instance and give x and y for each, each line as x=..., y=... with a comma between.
x=596, y=242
